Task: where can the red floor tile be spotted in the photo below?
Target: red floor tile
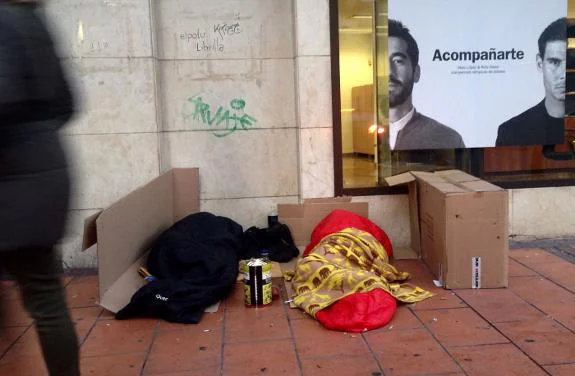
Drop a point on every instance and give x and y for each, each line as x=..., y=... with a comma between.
x=403, y=319
x=460, y=327
x=106, y=315
x=251, y=324
x=236, y=299
x=410, y=352
x=26, y=365
x=261, y=358
x=84, y=319
x=360, y=365
x=499, y=305
x=111, y=337
x=562, y=272
x=296, y=314
x=561, y=370
x=545, y=341
x=419, y=274
x=313, y=340
x=211, y=322
x=183, y=350
x=533, y=256
x=489, y=360
x=442, y=299
x=8, y=336
x=15, y=314
x=416, y=268
x=540, y=291
x=199, y=370
x=113, y=365
x=547, y=296
x=26, y=346
x=82, y=292
x=444, y=335
x=66, y=280
x=519, y=270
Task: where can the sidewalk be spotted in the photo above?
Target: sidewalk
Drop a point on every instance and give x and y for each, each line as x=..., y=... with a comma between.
x=527, y=329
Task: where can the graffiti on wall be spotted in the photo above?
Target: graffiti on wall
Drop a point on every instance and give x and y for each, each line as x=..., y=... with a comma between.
x=213, y=38
x=224, y=120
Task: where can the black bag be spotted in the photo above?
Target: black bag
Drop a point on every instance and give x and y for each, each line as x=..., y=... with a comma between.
x=277, y=240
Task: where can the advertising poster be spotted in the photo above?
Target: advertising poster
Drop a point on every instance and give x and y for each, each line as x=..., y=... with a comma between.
x=488, y=73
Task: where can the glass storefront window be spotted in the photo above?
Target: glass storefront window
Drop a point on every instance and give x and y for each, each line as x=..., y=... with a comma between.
x=358, y=96
x=363, y=157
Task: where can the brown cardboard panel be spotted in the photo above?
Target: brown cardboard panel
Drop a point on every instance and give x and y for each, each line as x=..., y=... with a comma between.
x=316, y=212
x=328, y=200
x=120, y=292
x=293, y=215
x=186, y=192
x=456, y=176
x=404, y=253
x=480, y=186
x=90, y=236
x=400, y=179
x=127, y=228
x=427, y=176
x=291, y=210
x=298, y=228
x=432, y=227
x=303, y=218
x=447, y=187
x=414, y=219
x=477, y=245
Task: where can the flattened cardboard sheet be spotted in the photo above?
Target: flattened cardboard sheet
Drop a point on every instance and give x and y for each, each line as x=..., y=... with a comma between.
x=125, y=231
x=302, y=218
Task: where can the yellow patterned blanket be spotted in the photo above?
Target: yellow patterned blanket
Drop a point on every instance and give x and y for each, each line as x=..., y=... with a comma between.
x=344, y=263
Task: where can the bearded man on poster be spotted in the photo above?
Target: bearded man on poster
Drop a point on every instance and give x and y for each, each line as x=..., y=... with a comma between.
x=409, y=129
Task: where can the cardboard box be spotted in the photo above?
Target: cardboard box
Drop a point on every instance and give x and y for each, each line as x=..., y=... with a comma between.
x=302, y=218
x=125, y=231
x=459, y=227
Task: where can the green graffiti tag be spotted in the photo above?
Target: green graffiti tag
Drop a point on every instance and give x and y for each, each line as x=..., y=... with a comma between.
x=229, y=120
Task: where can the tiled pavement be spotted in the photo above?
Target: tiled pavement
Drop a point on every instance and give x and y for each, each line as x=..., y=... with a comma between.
x=527, y=329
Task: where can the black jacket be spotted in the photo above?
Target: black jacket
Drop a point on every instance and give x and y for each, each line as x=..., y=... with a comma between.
x=35, y=101
x=195, y=264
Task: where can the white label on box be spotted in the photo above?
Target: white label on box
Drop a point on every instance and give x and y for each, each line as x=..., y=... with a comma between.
x=476, y=272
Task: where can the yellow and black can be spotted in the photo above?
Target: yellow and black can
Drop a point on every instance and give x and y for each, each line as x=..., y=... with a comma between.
x=257, y=275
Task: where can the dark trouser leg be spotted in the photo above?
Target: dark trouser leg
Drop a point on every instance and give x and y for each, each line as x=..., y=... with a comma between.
x=38, y=275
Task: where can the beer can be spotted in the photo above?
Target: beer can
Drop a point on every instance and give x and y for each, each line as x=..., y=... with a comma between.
x=257, y=275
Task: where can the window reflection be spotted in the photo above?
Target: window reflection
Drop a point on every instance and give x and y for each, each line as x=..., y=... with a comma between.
x=365, y=151
x=358, y=114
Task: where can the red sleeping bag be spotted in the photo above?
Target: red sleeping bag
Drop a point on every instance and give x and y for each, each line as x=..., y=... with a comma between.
x=340, y=219
x=360, y=311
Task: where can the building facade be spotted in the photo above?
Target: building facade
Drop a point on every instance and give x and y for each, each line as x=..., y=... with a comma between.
x=240, y=89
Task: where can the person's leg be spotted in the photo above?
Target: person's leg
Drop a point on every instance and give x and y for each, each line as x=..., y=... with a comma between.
x=38, y=275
